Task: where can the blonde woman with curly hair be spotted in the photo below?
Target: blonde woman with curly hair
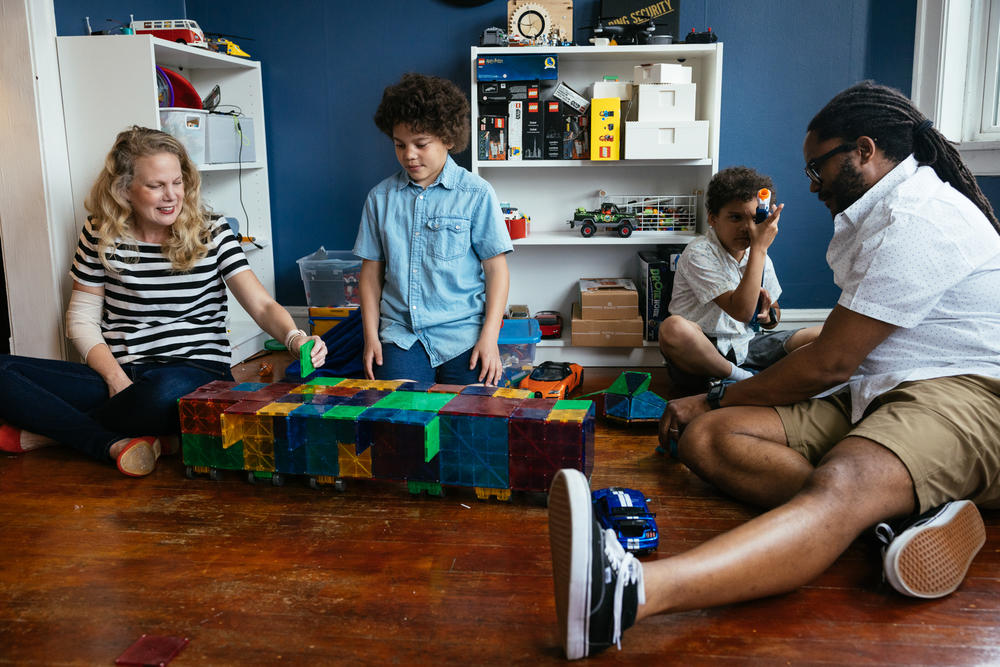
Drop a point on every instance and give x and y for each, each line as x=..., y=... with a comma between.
x=147, y=313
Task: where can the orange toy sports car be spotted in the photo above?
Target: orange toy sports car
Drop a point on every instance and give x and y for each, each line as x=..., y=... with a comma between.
x=553, y=379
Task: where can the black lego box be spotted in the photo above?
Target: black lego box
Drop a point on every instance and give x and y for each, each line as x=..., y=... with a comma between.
x=576, y=135
x=532, y=131
x=493, y=98
x=553, y=130
x=663, y=13
x=492, y=137
x=655, y=282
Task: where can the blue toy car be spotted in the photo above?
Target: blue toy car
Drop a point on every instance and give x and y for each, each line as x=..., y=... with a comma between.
x=625, y=512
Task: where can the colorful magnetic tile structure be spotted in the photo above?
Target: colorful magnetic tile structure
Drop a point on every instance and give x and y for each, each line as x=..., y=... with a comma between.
x=629, y=400
x=430, y=436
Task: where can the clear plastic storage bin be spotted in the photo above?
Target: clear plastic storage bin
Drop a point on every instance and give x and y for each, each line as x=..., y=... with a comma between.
x=188, y=126
x=517, y=342
x=330, y=278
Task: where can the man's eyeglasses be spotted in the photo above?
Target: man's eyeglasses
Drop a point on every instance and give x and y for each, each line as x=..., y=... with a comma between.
x=813, y=166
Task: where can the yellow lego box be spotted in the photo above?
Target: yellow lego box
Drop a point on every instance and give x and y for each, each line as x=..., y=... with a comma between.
x=322, y=319
x=605, y=128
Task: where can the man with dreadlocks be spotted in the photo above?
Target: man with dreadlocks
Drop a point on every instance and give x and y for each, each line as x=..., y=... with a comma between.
x=913, y=437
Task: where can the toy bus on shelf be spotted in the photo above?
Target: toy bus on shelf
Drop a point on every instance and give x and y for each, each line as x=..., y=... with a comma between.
x=184, y=31
x=495, y=440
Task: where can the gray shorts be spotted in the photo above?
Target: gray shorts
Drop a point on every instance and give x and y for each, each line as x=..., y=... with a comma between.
x=765, y=349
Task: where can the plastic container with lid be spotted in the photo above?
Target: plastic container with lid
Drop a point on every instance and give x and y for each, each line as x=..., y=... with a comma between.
x=330, y=278
x=517, y=342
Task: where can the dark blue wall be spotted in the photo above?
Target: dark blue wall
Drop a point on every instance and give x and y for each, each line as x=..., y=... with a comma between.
x=325, y=65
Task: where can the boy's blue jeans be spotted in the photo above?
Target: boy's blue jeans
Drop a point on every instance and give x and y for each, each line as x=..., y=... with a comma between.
x=414, y=364
x=69, y=402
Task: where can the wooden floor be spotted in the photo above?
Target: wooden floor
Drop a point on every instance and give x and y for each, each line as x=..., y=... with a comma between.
x=261, y=575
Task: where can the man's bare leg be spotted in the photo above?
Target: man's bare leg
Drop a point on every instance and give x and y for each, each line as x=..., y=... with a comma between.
x=858, y=484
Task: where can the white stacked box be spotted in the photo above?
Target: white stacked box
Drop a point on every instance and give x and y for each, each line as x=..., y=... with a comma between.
x=661, y=73
x=666, y=101
x=672, y=139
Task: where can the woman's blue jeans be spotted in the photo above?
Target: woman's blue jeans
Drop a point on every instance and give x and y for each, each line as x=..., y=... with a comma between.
x=69, y=402
x=414, y=364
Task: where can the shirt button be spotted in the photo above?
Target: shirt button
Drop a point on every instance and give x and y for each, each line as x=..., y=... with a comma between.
x=413, y=307
x=420, y=197
x=414, y=270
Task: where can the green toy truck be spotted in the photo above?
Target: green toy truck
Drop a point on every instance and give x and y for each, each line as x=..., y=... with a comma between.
x=608, y=215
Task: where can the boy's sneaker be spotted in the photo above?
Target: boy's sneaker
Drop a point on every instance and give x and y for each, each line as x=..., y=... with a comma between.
x=598, y=585
x=930, y=555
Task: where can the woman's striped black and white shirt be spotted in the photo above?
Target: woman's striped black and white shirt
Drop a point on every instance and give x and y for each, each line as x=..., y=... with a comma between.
x=153, y=312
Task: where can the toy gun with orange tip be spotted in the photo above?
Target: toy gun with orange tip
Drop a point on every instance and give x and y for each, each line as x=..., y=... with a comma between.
x=763, y=205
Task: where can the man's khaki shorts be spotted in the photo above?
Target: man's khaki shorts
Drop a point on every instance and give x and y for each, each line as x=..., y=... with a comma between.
x=946, y=431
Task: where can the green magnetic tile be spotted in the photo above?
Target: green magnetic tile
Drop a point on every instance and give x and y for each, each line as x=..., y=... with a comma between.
x=345, y=412
x=326, y=381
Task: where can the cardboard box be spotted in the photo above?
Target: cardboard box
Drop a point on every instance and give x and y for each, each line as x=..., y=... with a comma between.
x=492, y=137
x=605, y=128
x=571, y=98
x=515, y=115
x=656, y=140
x=655, y=279
x=576, y=136
x=517, y=67
x=666, y=101
x=553, y=130
x=625, y=332
x=532, y=131
x=661, y=73
x=608, y=299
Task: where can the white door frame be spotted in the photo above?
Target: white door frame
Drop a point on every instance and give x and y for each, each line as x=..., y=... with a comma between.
x=37, y=229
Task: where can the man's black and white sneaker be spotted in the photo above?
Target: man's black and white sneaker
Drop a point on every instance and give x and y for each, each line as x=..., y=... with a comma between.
x=598, y=585
x=929, y=557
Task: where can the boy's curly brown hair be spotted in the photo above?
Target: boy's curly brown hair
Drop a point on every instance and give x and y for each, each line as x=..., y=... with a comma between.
x=735, y=183
x=426, y=104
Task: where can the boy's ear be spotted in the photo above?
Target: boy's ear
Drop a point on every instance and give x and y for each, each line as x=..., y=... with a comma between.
x=712, y=219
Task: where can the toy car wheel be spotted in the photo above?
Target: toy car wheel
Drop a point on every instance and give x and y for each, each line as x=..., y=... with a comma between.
x=313, y=484
x=339, y=485
x=625, y=230
x=277, y=479
x=588, y=229
x=214, y=474
x=189, y=472
x=251, y=477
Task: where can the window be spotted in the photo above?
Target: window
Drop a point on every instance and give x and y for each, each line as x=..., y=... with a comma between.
x=956, y=76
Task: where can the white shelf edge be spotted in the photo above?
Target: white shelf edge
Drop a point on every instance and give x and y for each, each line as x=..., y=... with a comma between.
x=183, y=55
x=573, y=237
x=522, y=164
x=230, y=166
x=627, y=52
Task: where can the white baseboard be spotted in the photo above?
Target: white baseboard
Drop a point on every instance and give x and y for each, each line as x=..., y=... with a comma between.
x=648, y=355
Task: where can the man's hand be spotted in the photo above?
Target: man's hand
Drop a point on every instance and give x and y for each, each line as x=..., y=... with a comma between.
x=679, y=413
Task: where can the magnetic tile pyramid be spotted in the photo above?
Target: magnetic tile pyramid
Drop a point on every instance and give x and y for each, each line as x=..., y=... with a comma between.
x=430, y=436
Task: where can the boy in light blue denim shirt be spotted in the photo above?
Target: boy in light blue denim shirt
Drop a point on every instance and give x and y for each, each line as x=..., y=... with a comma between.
x=434, y=275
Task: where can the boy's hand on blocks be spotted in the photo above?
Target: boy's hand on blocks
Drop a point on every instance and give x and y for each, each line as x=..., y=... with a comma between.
x=488, y=356
x=763, y=235
x=372, y=355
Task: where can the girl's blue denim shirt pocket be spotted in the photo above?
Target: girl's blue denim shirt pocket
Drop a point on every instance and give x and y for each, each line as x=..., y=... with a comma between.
x=449, y=236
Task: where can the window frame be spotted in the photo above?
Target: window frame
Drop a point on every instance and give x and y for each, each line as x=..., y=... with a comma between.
x=955, y=75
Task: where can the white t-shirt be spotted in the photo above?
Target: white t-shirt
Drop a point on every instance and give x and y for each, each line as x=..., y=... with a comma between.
x=914, y=252
x=705, y=271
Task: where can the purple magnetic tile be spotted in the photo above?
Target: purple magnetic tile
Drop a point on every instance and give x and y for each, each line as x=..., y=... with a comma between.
x=478, y=390
x=246, y=407
x=482, y=406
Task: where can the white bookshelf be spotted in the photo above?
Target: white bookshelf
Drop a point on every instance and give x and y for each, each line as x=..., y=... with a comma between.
x=546, y=266
x=109, y=83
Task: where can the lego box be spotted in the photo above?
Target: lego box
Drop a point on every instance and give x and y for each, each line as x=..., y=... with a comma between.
x=517, y=67
x=605, y=128
x=492, y=138
x=571, y=98
x=622, y=332
x=655, y=281
x=515, y=132
x=532, y=131
x=608, y=299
